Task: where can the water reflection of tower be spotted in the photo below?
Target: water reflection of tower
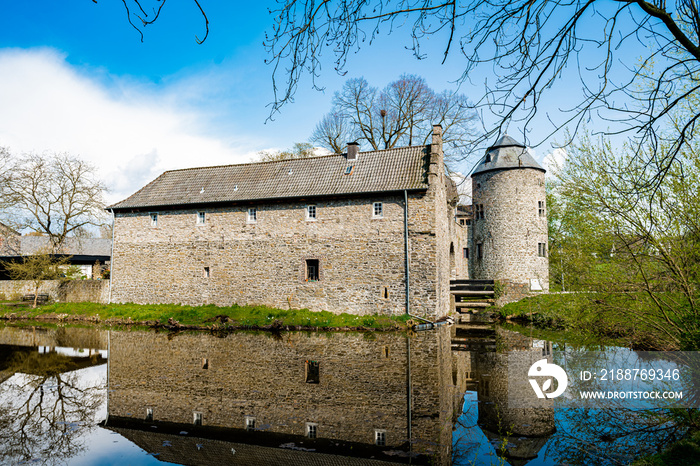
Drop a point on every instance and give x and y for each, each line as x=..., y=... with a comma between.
x=521, y=432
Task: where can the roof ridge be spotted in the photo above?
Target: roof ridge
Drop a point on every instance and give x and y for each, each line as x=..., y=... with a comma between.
x=315, y=157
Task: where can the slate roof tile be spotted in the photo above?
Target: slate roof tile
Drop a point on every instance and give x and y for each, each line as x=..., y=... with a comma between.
x=397, y=169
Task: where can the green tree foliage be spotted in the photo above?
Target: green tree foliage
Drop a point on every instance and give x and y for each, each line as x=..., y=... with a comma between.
x=617, y=233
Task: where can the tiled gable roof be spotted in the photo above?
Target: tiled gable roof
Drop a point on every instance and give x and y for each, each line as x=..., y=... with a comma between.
x=376, y=171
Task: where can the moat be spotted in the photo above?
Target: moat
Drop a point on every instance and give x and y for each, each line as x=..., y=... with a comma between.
x=90, y=396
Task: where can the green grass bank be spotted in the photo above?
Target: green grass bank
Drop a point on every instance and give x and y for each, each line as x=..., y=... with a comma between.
x=589, y=316
x=201, y=317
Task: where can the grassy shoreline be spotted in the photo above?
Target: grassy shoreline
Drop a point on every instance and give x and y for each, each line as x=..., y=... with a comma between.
x=210, y=317
x=589, y=316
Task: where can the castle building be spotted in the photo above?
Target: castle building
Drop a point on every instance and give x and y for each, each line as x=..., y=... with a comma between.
x=509, y=219
x=361, y=232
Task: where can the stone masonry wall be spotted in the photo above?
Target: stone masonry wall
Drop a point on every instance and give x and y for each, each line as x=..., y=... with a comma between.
x=361, y=258
x=362, y=383
x=71, y=291
x=511, y=228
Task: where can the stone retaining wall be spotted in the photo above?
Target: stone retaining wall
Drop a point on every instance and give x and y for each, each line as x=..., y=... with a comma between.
x=71, y=291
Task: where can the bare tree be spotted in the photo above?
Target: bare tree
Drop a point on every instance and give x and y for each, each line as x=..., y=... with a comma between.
x=527, y=45
x=402, y=114
x=301, y=150
x=58, y=195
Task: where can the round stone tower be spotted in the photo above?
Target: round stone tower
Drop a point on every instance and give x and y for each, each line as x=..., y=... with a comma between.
x=509, y=236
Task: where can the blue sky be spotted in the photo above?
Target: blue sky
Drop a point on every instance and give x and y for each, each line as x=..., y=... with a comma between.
x=75, y=77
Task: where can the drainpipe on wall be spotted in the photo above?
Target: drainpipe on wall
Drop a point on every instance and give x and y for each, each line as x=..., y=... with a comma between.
x=405, y=247
x=111, y=261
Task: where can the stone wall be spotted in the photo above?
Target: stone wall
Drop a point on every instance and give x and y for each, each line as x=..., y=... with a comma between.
x=362, y=384
x=70, y=291
x=511, y=228
x=361, y=258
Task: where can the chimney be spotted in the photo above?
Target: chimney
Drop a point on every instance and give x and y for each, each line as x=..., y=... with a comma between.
x=353, y=150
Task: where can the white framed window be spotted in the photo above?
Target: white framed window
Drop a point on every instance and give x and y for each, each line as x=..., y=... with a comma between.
x=197, y=418
x=380, y=437
x=252, y=215
x=311, y=212
x=249, y=423
x=312, y=430
x=377, y=210
x=201, y=218
x=154, y=219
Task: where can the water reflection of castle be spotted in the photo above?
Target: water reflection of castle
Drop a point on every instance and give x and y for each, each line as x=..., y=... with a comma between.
x=517, y=433
x=334, y=398
x=380, y=397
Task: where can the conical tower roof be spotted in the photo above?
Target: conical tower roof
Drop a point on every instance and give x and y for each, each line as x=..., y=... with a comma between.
x=506, y=154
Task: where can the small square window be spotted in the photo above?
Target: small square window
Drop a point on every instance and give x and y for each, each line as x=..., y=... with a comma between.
x=197, y=419
x=252, y=215
x=313, y=270
x=380, y=437
x=311, y=212
x=149, y=414
x=312, y=371
x=154, y=219
x=540, y=208
x=465, y=252
x=377, y=210
x=249, y=423
x=312, y=430
x=201, y=218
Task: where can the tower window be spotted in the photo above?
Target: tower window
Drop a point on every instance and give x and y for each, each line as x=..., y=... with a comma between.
x=312, y=270
x=465, y=251
x=542, y=249
x=207, y=272
x=479, y=251
x=540, y=208
x=478, y=211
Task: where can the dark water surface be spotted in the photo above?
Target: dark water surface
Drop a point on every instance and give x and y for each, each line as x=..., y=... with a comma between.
x=98, y=397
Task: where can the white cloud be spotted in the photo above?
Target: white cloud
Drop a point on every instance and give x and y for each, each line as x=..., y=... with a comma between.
x=131, y=131
x=555, y=160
